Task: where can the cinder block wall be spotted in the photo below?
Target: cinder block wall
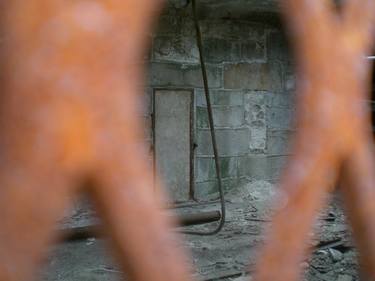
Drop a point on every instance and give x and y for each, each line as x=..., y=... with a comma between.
x=251, y=79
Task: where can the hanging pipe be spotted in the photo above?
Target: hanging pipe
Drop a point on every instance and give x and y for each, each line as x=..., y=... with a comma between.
x=212, y=128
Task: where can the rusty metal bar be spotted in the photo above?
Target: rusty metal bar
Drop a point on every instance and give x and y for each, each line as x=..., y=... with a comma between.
x=333, y=140
x=88, y=231
x=199, y=218
x=72, y=75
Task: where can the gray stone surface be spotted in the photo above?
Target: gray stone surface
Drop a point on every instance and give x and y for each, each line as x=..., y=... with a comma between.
x=175, y=22
x=344, y=277
x=205, y=168
x=278, y=142
x=217, y=50
x=193, y=76
x=286, y=100
x=275, y=166
x=221, y=97
x=224, y=116
x=277, y=46
x=254, y=167
x=240, y=9
x=182, y=75
x=252, y=76
x=255, y=109
x=255, y=119
x=232, y=29
x=253, y=51
x=280, y=118
x=177, y=49
x=230, y=142
x=258, y=139
x=208, y=190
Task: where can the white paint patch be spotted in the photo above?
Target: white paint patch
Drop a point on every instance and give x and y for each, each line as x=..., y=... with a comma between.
x=92, y=17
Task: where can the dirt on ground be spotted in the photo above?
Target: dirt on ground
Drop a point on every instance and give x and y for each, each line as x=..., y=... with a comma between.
x=228, y=255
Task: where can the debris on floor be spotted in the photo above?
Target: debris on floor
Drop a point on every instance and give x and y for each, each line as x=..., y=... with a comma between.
x=229, y=255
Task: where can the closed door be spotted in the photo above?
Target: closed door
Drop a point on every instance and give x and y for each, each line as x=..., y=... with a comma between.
x=172, y=141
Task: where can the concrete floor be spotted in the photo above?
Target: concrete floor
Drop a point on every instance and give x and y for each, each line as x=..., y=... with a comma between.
x=229, y=255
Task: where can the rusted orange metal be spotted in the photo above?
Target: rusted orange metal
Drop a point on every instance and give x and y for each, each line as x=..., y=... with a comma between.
x=333, y=140
x=71, y=77
x=71, y=73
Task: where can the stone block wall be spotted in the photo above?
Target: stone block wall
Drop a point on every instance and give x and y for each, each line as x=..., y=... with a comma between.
x=251, y=80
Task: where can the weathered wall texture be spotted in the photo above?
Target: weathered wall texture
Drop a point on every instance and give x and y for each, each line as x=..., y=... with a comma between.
x=251, y=80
